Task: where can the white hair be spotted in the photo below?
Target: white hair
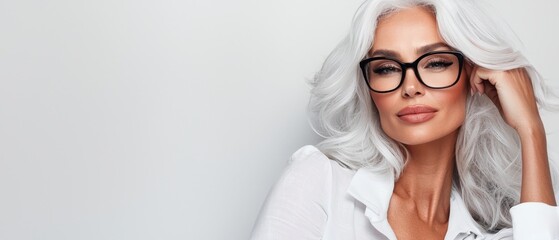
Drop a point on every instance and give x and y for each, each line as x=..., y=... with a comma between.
x=488, y=156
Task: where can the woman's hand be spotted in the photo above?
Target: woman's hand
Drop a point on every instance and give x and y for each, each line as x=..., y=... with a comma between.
x=512, y=92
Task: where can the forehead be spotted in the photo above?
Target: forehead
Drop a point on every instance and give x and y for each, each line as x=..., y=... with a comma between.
x=406, y=30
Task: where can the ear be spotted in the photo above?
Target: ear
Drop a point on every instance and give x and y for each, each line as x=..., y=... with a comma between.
x=468, y=66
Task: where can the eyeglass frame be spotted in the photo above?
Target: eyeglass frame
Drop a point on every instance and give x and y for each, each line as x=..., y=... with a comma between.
x=363, y=63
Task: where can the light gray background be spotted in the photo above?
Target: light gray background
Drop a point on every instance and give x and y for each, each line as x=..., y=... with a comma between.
x=170, y=119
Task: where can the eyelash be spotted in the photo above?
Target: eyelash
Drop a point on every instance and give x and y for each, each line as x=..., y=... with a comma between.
x=382, y=70
x=439, y=62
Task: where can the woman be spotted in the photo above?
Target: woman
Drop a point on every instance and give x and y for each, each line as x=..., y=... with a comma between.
x=432, y=131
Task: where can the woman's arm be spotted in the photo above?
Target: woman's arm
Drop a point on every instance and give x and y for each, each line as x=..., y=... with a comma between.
x=512, y=92
x=536, y=178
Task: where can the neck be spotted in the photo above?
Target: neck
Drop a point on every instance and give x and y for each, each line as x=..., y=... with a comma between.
x=426, y=179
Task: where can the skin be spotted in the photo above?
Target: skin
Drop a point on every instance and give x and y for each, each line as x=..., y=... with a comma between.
x=420, y=203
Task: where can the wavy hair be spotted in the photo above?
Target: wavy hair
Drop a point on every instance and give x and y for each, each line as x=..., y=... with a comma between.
x=487, y=153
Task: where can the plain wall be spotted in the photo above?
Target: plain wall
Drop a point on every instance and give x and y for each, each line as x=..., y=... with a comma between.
x=170, y=119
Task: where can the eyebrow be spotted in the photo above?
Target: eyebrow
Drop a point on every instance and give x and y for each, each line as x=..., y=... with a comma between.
x=419, y=51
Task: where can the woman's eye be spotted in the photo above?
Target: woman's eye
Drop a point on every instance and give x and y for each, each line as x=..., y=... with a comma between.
x=439, y=64
x=384, y=70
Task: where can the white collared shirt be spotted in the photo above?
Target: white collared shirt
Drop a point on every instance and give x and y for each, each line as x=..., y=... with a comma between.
x=316, y=198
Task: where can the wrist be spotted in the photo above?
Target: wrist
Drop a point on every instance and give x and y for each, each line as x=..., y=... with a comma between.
x=531, y=129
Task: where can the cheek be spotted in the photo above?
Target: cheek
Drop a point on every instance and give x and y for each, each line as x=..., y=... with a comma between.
x=454, y=101
x=385, y=105
x=382, y=103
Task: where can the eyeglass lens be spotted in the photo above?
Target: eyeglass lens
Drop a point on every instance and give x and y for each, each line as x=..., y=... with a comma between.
x=436, y=71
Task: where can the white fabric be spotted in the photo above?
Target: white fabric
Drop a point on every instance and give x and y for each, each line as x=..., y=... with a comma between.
x=316, y=198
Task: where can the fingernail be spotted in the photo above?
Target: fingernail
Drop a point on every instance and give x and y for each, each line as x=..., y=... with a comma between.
x=471, y=92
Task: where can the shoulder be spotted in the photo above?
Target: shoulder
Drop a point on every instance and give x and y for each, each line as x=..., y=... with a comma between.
x=307, y=166
x=297, y=207
x=308, y=163
x=308, y=153
x=310, y=176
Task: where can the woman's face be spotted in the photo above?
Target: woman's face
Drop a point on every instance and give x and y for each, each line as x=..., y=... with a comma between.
x=408, y=34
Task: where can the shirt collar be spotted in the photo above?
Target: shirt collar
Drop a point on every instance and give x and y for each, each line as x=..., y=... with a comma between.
x=374, y=189
x=460, y=219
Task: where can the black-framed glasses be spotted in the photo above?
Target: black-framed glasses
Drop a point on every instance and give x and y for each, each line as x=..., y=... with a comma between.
x=440, y=69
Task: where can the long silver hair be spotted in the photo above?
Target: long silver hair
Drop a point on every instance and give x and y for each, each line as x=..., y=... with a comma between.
x=488, y=157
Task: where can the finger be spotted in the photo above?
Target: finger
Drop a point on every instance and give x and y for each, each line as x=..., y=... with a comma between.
x=476, y=81
x=492, y=94
x=489, y=75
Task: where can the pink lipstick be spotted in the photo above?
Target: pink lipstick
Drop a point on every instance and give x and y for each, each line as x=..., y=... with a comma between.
x=416, y=113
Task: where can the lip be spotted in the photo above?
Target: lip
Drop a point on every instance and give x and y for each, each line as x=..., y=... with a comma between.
x=416, y=113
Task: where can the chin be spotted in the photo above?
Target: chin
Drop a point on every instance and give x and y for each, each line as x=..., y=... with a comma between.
x=422, y=135
x=416, y=141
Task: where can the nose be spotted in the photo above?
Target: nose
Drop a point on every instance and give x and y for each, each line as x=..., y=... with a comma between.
x=412, y=87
